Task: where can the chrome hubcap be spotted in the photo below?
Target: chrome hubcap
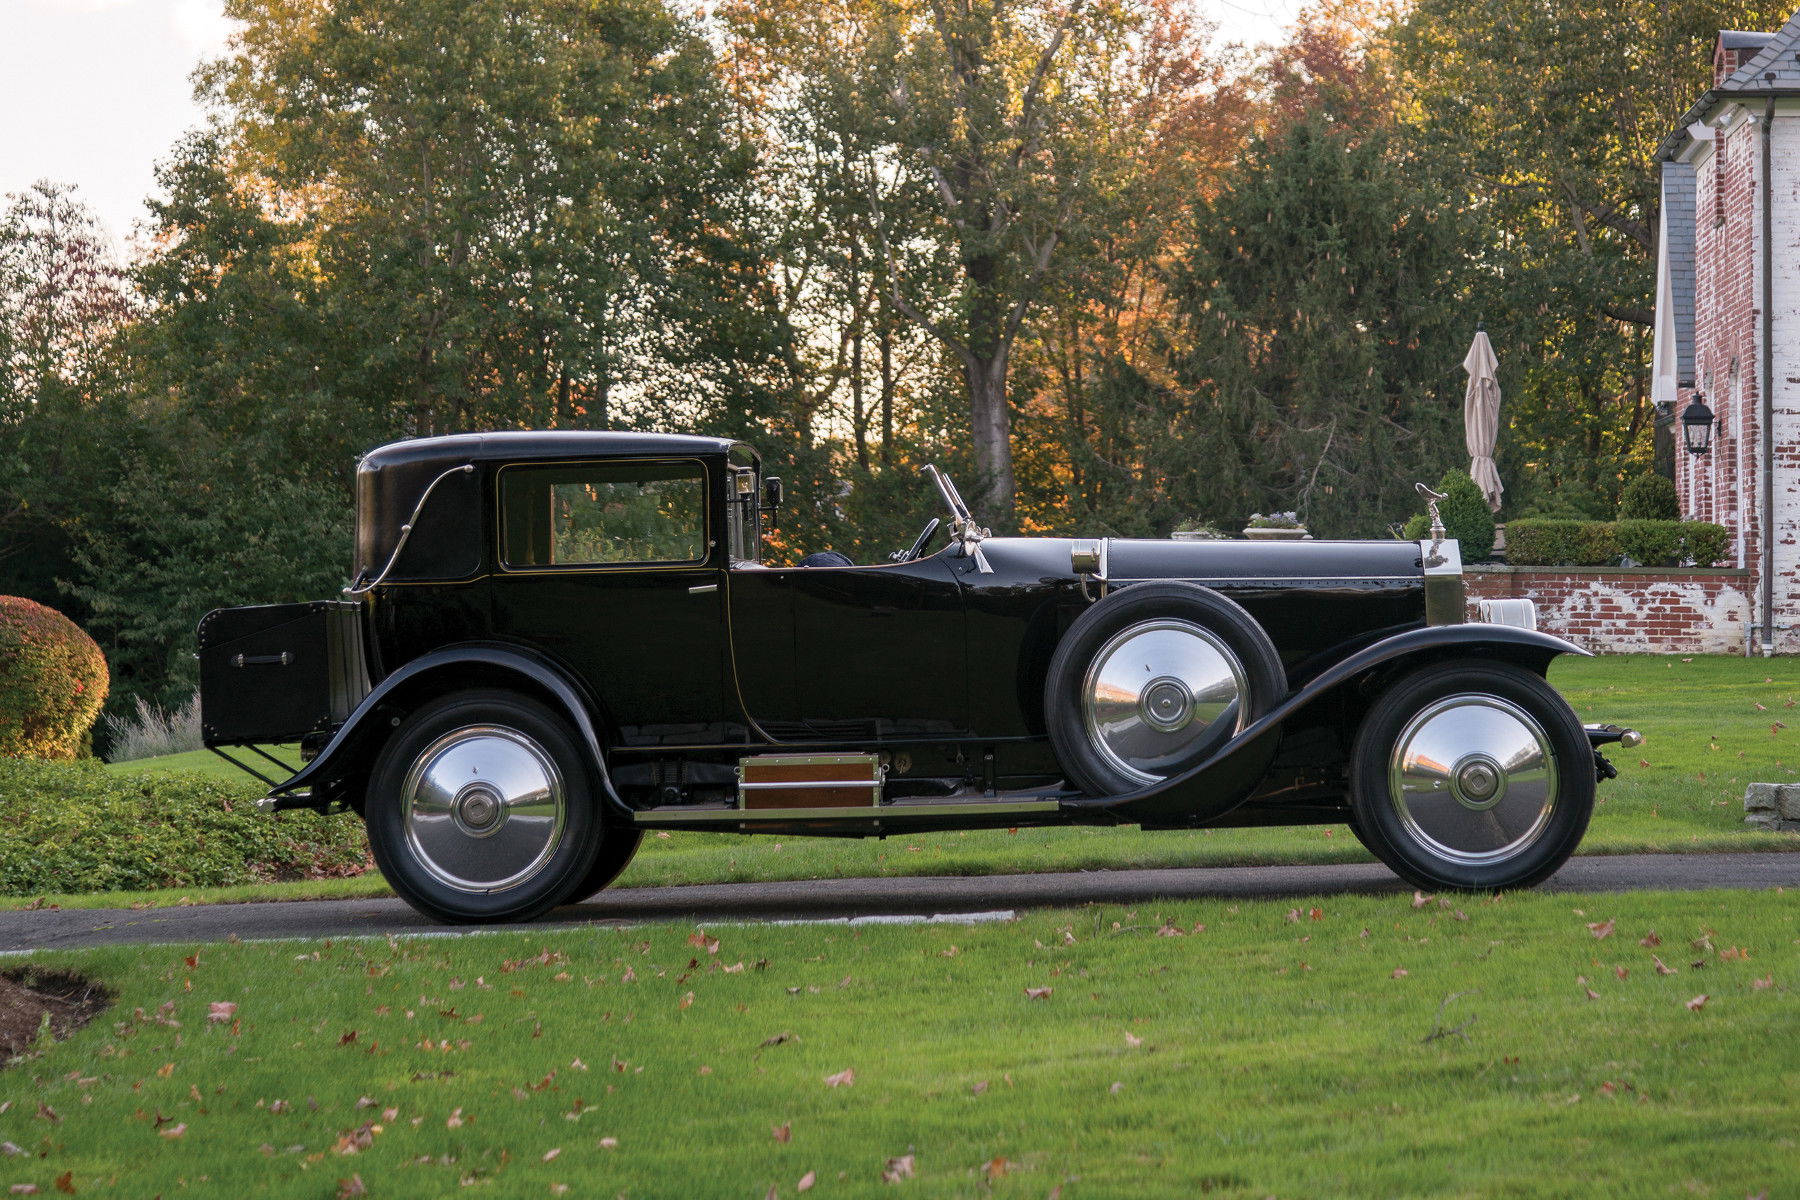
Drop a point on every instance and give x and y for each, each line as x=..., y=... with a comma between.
x=1473, y=778
x=484, y=808
x=1159, y=693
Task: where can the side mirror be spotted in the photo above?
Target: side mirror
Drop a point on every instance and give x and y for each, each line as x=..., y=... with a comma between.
x=772, y=492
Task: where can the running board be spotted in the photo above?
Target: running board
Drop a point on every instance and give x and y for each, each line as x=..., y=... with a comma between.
x=899, y=812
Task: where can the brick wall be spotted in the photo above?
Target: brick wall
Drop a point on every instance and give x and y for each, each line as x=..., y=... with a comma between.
x=1626, y=609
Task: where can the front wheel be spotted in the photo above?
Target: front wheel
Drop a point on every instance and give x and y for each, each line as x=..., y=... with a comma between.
x=482, y=807
x=1472, y=776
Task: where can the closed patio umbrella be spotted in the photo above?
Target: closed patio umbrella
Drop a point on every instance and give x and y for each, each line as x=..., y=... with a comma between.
x=1481, y=416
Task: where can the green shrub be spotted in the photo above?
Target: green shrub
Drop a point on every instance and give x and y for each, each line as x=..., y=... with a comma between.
x=1536, y=542
x=1545, y=543
x=1671, y=543
x=53, y=681
x=77, y=827
x=1705, y=544
x=1649, y=497
x=1467, y=517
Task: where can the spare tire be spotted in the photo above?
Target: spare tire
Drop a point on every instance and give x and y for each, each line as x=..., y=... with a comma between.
x=1152, y=681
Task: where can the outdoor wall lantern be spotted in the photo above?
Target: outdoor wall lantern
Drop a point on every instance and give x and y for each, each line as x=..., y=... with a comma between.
x=1697, y=426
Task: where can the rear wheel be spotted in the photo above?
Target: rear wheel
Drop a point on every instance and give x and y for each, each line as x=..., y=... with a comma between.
x=482, y=807
x=617, y=846
x=1154, y=680
x=1473, y=776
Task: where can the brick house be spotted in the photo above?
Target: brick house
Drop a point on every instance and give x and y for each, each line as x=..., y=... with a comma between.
x=1728, y=322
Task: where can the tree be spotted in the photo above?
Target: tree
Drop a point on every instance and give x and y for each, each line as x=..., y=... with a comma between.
x=1550, y=115
x=1320, y=333
x=63, y=297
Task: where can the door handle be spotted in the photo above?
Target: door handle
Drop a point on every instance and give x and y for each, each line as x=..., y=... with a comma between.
x=703, y=589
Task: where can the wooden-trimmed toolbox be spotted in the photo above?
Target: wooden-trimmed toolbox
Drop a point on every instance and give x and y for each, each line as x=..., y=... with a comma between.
x=809, y=780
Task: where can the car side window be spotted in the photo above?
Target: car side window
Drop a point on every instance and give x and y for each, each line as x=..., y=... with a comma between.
x=589, y=514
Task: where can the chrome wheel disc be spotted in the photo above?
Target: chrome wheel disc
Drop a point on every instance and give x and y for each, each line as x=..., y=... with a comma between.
x=484, y=808
x=1158, y=693
x=1473, y=778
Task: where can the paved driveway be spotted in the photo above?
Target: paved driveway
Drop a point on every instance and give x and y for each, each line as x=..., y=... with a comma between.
x=851, y=898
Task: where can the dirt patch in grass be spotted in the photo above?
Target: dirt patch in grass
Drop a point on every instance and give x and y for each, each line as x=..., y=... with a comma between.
x=28, y=996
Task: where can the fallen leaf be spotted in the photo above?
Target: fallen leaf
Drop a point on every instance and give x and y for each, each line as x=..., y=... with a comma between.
x=1662, y=968
x=1420, y=899
x=897, y=1169
x=1317, y=914
x=1651, y=940
x=1293, y=914
x=687, y=1001
x=351, y=1187
x=65, y=1183
x=806, y=1182
x=977, y=1088
x=1601, y=929
x=1698, y=1002
x=996, y=1167
x=1117, y=1087
x=783, y=1133
x=1132, y=1040
x=776, y=1040
x=24, y=1189
x=842, y=1079
x=1767, y=981
x=1038, y=993
x=46, y=1113
x=609, y=1143
x=1591, y=993
x=699, y=938
x=1168, y=931
x=220, y=1011
x=454, y=1120
x=1621, y=972
x=1731, y=953
x=174, y=1131
x=1399, y=973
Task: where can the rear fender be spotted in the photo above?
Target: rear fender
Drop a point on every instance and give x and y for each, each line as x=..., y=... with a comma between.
x=348, y=758
x=1223, y=782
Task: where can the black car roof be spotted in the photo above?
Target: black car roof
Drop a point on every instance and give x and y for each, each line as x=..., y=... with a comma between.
x=540, y=443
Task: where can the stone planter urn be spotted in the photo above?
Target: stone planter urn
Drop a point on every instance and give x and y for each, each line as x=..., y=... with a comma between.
x=1276, y=535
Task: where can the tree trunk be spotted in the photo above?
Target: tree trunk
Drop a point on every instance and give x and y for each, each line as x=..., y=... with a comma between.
x=992, y=423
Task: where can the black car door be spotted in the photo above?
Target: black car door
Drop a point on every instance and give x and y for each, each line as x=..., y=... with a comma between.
x=851, y=653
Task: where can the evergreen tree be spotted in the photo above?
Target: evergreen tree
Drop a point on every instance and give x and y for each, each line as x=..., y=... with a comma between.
x=1320, y=334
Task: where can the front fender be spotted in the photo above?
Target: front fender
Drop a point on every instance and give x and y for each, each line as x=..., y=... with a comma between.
x=352, y=750
x=1226, y=780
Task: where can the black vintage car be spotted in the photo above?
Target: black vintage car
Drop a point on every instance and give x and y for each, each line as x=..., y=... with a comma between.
x=556, y=641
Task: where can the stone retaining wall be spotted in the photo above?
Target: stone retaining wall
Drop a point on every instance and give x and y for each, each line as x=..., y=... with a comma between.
x=1618, y=610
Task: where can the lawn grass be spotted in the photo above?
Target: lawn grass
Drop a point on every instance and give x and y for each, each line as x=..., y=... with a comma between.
x=1680, y=792
x=1247, y=1049
x=205, y=762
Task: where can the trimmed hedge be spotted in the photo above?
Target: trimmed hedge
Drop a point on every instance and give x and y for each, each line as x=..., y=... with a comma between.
x=1549, y=543
x=77, y=827
x=53, y=681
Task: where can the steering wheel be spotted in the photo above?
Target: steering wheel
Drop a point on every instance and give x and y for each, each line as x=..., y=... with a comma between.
x=917, y=550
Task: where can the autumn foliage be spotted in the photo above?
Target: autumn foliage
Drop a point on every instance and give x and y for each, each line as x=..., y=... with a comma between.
x=52, y=681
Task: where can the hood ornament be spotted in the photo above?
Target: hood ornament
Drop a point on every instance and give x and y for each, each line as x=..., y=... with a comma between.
x=1432, y=557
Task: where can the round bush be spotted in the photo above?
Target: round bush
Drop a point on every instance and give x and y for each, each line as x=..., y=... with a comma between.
x=52, y=681
x=1467, y=517
x=1649, y=497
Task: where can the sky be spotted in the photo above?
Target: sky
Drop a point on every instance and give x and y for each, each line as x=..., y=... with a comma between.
x=94, y=92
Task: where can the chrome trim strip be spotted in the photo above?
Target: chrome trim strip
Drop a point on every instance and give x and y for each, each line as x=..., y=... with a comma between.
x=885, y=812
x=778, y=786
